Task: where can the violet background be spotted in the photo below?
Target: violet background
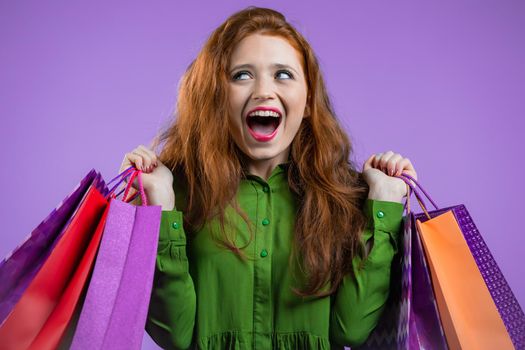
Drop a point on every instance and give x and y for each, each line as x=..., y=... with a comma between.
x=442, y=83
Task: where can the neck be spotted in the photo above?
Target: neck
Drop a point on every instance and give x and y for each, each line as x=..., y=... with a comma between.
x=264, y=167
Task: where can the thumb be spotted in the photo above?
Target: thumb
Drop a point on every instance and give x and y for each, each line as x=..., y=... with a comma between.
x=368, y=163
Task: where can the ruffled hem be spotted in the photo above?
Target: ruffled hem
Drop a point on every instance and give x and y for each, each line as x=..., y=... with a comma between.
x=299, y=340
x=236, y=340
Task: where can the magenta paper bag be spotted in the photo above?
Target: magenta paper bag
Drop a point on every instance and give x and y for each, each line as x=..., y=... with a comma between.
x=128, y=319
x=18, y=268
x=116, y=305
x=105, y=280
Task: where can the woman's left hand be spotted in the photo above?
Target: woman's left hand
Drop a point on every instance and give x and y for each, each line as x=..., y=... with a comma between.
x=379, y=172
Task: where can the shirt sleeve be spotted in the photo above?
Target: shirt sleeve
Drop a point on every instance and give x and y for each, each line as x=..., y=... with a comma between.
x=171, y=315
x=359, y=301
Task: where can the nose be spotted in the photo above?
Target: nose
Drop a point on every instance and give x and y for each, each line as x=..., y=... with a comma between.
x=263, y=89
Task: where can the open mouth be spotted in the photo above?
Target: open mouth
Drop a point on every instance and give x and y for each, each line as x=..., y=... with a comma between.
x=263, y=125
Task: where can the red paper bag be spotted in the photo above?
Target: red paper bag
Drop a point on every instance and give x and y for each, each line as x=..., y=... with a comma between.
x=55, y=326
x=29, y=315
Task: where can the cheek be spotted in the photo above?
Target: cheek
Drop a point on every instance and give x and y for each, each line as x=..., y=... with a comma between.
x=296, y=99
x=294, y=127
x=236, y=97
x=297, y=104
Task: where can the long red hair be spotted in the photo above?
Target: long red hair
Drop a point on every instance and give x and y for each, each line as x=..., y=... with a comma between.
x=200, y=151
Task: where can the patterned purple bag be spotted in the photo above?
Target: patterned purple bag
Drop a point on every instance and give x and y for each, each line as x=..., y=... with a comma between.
x=508, y=307
x=18, y=268
x=410, y=319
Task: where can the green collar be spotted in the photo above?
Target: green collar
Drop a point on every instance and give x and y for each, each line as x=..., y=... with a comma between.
x=280, y=169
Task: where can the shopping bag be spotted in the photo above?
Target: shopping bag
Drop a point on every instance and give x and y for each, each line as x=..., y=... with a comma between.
x=65, y=316
x=115, y=309
x=477, y=307
x=55, y=327
x=18, y=268
x=22, y=265
x=51, y=333
x=126, y=329
x=410, y=319
x=37, y=302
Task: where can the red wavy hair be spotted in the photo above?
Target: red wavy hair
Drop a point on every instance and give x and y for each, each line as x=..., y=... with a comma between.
x=200, y=151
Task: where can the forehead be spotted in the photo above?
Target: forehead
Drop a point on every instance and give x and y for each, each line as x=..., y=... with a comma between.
x=259, y=49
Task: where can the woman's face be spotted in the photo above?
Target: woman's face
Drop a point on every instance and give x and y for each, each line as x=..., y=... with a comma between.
x=265, y=72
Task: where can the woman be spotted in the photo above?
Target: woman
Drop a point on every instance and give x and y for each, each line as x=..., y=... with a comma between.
x=270, y=238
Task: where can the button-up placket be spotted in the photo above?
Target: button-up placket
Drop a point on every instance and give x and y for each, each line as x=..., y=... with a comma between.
x=263, y=242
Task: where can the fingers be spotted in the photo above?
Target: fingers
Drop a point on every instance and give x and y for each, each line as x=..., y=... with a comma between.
x=385, y=161
x=150, y=153
x=409, y=169
x=393, y=164
x=405, y=166
x=389, y=161
x=142, y=158
x=145, y=159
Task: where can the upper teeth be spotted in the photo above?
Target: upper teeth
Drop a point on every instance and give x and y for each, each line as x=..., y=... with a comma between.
x=264, y=114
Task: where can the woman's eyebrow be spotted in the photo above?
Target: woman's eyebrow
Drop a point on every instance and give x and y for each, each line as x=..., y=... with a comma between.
x=275, y=65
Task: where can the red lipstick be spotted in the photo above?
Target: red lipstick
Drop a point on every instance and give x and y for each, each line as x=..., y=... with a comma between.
x=264, y=137
x=265, y=108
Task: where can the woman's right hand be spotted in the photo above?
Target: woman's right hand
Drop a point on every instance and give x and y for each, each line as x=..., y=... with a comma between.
x=157, y=179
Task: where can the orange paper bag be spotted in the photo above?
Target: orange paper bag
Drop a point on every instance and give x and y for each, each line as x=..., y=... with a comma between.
x=469, y=315
x=476, y=306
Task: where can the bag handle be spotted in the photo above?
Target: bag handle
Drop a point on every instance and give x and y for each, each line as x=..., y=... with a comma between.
x=410, y=187
x=132, y=173
x=420, y=187
x=421, y=204
x=410, y=181
x=136, y=174
x=122, y=176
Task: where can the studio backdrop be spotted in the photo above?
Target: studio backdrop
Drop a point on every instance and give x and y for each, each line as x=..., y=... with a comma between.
x=442, y=83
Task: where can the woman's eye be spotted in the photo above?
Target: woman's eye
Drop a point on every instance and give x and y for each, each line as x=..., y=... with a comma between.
x=238, y=75
x=285, y=72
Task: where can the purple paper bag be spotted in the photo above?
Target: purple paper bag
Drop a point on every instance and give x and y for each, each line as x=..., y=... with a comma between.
x=18, y=268
x=126, y=328
x=508, y=307
x=411, y=318
x=105, y=280
x=116, y=305
x=425, y=330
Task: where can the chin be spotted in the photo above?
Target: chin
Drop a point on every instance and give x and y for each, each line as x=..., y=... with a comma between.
x=263, y=154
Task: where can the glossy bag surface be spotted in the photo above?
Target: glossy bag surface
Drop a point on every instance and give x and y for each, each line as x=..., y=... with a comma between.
x=410, y=319
x=56, y=324
x=19, y=268
x=38, y=301
x=470, y=315
x=477, y=307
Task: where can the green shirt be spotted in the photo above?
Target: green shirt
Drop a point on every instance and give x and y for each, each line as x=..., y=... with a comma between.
x=205, y=297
